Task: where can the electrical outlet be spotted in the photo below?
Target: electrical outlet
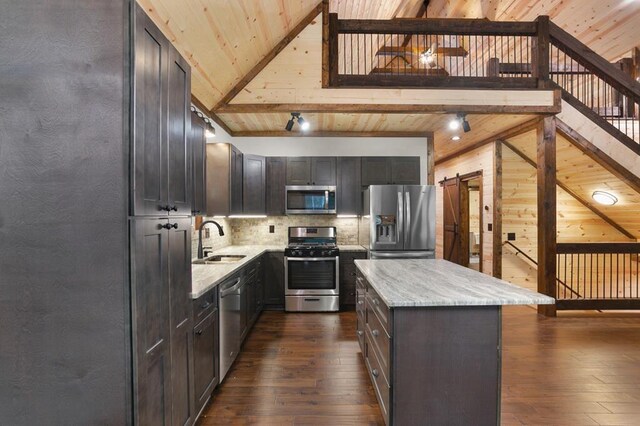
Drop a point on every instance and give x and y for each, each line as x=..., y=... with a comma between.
x=490, y=227
x=207, y=233
x=511, y=236
x=272, y=229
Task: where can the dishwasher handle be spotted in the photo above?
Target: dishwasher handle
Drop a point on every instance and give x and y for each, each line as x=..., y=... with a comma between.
x=232, y=288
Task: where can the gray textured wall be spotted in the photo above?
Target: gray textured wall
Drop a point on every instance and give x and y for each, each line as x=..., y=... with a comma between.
x=64, y=339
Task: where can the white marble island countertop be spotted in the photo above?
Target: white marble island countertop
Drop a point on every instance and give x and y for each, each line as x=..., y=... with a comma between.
x=437, y=282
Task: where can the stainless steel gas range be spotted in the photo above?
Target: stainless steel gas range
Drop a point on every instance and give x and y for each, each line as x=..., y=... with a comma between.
x=311, y=265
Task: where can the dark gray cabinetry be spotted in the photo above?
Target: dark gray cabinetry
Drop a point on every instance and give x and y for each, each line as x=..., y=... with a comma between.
x=298, y=171
x=311, y=171
x=457, y=349
x=349, y=187
x=274, y=281
x=276, y=181
x=223, y=179
x=205, y=348
x=254, y=184
x=405, y=170
x=348, y=277
x=390, y=171
x=198, y=141
x=161, y=176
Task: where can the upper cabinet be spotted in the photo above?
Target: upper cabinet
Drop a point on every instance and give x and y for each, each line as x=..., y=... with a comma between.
x=311, y=171
x=349, y=188
x=390, y=171
x=276, y=181
x=161, y=159
x=223, y=180
x=198, y=142
x=254, y=184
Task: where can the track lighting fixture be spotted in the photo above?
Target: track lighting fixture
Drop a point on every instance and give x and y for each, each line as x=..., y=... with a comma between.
x=210, y=131
x=304, y=124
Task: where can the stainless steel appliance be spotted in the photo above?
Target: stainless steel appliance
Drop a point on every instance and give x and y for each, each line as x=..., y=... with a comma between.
x=231, y=321
x=402, y=221
x=310, y=199
x=311, y=270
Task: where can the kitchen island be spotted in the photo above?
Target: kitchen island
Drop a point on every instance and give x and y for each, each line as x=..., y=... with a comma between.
x=430, y=335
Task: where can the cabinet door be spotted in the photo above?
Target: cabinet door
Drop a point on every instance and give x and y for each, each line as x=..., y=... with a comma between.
x=376, y=171
x=349, y=188
x=274, y=281
x=179, y=126
x=254, y=184
x=276, y=181
x=405, y=170
x=149, y=169
x=251, y=302
x=181, y=320
x=150, y=295
x=205, y=355
x=298, y=171
x=236, y=159
x=323, y=171
x=198, y=142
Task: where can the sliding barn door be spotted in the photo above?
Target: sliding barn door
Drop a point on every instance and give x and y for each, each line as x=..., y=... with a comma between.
x=454, y=202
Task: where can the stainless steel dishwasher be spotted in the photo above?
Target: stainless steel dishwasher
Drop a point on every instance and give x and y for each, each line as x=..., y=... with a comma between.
x=231, y=295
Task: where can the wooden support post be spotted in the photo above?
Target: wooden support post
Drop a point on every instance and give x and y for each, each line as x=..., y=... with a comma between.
x=540, y=52
x=431, y=161
x=497, y=210
x=546, y=139
x=325, y=43
x=333, y=49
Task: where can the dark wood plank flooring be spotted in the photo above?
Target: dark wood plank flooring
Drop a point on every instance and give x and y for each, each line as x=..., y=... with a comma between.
x=306, y=369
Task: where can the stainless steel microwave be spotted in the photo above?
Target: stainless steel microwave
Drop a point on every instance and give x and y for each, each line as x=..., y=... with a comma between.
x=310, y=199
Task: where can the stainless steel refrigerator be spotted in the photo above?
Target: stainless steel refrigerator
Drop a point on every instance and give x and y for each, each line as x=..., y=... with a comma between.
x=401, y=221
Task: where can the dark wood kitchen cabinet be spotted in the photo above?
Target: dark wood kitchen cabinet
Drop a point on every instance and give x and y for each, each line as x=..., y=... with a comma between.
x=390, y=171
x=206, y=343
x=224, y=179
x=160, y=172
x=161, y=282
x=276, y=181
x=274, y=281
x=198, y=142
x=349, y=187
x=254, y=184
x=311, y=171
x=348, y=277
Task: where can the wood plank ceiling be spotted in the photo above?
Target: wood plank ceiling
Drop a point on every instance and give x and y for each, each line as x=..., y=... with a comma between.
x=224, y=40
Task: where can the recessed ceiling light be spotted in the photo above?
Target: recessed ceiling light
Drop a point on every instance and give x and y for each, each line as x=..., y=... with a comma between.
x=605, y=198
x=455, y=138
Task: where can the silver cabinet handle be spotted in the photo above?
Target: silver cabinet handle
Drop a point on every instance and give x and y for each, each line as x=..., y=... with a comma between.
x=375, y=333
x=376, y=302
x=400, y=221
x=375, y=372
x=360, y=302
x=407, y=203
x=360, y=333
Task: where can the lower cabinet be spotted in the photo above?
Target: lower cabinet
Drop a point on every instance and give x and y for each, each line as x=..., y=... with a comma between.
x=348, y=277
x=274, y=281
x=205, y=359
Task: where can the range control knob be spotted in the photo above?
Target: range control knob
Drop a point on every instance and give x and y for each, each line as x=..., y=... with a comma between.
x=312, y=253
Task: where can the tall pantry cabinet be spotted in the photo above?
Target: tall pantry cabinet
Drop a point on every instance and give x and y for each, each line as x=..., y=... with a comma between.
x=160, y=230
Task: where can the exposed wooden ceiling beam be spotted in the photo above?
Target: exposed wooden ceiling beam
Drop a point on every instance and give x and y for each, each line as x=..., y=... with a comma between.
x=387, y=108
x=527, y=126
x=598, y=155
x=269, y=56
x=330, y=133
x=574, y=195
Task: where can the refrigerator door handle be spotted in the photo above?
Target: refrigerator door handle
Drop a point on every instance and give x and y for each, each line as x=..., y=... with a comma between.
x=407, y=234
x=400, y=224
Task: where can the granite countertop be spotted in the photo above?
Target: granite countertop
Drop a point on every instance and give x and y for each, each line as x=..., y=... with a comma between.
x=206, y=277
x=437, y=282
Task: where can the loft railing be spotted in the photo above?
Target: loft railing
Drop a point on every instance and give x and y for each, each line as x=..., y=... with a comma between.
x=598, y=275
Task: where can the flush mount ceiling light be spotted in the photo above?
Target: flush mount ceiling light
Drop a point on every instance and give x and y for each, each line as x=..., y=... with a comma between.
x=304, y=124
x=605, y=198
x=455, y=138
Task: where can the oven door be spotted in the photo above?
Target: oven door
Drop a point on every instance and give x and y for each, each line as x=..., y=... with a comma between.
x=311, y=276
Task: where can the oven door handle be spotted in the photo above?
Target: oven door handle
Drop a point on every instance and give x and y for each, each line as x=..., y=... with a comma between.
x=312, y=259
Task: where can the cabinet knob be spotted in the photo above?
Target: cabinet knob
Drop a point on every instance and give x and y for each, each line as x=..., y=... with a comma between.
x=174, y=208
x=375, y=372
x=360, y=333
x=375, y=333
x=360, y=302
x=166, y=226
x=165, y=208
x=199, y=332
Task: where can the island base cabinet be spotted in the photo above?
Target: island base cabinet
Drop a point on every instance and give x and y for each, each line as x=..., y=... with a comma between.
x=432, y=365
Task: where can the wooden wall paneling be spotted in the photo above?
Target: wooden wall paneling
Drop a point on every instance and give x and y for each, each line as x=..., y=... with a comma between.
x=547, y=210
x=497, y=209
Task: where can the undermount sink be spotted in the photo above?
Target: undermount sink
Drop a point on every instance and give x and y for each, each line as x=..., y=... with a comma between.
x=214, y=260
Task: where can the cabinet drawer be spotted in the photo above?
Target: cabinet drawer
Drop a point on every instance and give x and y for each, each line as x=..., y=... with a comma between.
x=380, y=341
x=360, y=304
x=360, y=332
x=204, y=305
x=379, y=308
x=360, y=282
x=379, y=383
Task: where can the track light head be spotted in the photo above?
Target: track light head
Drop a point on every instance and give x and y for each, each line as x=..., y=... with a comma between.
x=462, y=117
x=289, y=125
